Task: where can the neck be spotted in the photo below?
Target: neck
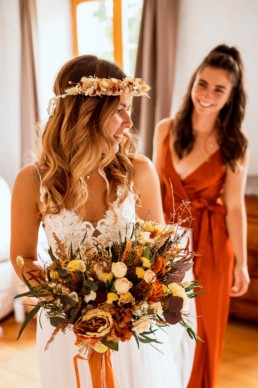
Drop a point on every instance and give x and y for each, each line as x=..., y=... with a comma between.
x=203, y=125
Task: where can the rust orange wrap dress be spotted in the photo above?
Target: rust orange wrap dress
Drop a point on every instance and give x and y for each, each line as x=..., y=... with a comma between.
x=213, y=268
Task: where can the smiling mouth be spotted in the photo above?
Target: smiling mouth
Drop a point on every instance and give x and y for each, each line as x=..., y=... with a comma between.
x=118, y=137
x=205, y=104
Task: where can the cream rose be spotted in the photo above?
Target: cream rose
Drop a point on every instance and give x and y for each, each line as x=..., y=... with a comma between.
x=91, y=296
x=122, y=285
x=141, y=325
x=149, y=276
x=119, y=269
x=156, y=308
x=142, y=309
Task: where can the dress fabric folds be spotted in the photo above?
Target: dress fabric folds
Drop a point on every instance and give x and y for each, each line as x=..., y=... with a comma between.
x=213, y=266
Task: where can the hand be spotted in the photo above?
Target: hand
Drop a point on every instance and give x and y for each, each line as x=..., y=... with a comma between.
x=241, y=280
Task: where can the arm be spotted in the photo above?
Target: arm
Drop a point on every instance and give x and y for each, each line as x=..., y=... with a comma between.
x=25, y=219
x=160, y=133
x=236, y=224
x=147, y=187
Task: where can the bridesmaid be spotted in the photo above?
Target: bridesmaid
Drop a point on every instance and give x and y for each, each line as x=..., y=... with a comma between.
x=201, y=157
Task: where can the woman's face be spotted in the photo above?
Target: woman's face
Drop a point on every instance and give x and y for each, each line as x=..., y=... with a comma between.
x=120, y=121
x=211, y=91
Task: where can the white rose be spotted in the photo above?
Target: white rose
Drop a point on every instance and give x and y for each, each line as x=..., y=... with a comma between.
x=73, y=295
x=119, y=269
x=144, y=238
x=122, y=285
x=156, y=307
x=141, y=325
x=142, y=309
x=91, y=296
x=149, y=276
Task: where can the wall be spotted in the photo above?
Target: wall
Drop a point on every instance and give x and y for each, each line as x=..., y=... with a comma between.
x=55, y=44
x=205, y=23
x=9, y=89
x=54, y=48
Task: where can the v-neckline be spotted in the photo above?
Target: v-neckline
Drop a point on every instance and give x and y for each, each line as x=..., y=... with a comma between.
x=195, y=170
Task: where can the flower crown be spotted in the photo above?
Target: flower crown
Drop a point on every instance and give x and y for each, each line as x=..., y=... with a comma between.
x=93, y=86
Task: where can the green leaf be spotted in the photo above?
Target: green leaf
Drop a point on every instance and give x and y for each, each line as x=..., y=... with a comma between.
x=31, y=314
x=51, y=254
x=26, y=281
x=28, y=293
x=110, y=345
x=136, y=339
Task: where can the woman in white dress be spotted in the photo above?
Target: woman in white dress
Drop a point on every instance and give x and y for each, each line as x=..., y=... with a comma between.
x=86, y=179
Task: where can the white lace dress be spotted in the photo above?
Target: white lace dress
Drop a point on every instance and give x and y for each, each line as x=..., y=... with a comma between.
x=134, y=368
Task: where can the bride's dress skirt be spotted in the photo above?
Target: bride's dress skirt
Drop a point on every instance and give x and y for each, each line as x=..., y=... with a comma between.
x=134, y=368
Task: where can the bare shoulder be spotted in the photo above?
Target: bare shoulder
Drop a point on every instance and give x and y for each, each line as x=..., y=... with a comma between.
x=162, y=128
x=142, y=164
x=27, y=182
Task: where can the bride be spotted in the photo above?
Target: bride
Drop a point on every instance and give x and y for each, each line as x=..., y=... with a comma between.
x=87, y=179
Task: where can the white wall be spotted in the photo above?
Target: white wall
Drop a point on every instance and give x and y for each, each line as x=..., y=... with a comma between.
x=204, y=24
x=54, y=48
x=55, y=44
x=9, y=89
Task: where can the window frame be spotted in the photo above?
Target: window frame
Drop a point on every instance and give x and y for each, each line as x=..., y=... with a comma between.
x=117, y=29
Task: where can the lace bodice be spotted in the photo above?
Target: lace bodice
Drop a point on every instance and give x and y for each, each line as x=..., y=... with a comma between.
x=70, y=228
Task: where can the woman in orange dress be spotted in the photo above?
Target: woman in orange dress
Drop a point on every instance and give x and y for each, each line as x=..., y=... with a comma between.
x=201, y=157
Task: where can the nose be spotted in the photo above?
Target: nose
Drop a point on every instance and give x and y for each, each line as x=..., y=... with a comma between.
x=207, y=94
x=127, y=121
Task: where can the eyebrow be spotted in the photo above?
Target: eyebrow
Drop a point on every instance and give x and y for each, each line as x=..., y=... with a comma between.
x=216, y=86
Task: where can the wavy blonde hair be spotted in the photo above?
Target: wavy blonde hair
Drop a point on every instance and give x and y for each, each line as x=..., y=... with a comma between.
x=71, y=142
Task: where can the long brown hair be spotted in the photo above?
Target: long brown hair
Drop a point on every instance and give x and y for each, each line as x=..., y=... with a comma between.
x=70, y=144
x=231, y=140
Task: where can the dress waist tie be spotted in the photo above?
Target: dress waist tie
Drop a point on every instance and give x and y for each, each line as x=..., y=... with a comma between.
x=208, y=242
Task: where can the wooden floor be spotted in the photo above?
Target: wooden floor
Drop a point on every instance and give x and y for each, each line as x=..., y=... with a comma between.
x=19, y=369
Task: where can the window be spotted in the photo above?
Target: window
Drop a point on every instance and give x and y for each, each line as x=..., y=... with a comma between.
x=109, y=29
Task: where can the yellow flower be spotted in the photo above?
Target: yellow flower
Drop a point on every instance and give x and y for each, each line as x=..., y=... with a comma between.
x=99, y=347
x=105, y=276
x=126, y=297
x=140, y=272
x=145, y=262
x=53, y=275
x=165, y=289
x=77, y=265
x=177, y=290
x=111, y=297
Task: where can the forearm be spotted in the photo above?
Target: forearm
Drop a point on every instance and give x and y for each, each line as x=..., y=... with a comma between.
x=237, y=229
x=28, y=267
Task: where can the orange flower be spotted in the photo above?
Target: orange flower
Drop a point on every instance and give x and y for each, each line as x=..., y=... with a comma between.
x=159, y=267
x=157, y=293
x=122, y=323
